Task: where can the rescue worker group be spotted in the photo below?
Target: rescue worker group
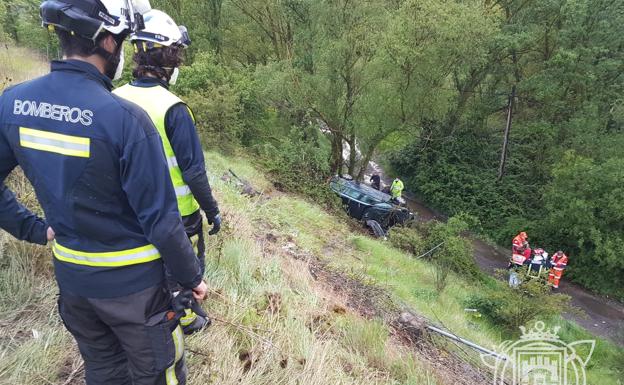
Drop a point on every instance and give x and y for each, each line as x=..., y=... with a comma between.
x=535, y=263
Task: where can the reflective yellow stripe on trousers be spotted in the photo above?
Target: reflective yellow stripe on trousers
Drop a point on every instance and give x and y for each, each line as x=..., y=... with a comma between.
x=178, y=342
x=129, y=257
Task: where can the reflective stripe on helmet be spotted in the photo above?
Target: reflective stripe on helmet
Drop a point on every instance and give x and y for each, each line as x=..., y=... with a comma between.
x=129, y=257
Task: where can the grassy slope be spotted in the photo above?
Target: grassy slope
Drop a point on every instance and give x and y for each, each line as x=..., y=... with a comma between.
x=293, y=220
x=18, y=64
x=274, y=324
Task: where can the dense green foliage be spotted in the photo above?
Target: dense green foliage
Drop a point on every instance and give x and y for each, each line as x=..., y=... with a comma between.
x=562, y=182
x=20, y=22
x=427, y=83
x=441, y=243
x=512, y=308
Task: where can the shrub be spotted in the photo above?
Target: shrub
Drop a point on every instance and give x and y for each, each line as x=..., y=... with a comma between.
x=225, y=102
x=585, y=218
x=452, y=250
x=298, y=163
x=512, y=308
x=440, y=275
x=407, y=239
x=217, y=112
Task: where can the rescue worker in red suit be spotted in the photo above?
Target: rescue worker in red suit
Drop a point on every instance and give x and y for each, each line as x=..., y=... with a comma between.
x=527, y=251
x=558, y=264
x=519, y=242
x=520, y=246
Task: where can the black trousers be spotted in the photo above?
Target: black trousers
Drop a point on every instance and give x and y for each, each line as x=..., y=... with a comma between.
x=129, y=340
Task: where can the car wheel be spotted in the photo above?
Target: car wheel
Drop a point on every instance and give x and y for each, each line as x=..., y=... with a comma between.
x=376, y=228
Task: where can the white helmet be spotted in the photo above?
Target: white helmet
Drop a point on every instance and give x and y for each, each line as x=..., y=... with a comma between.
x=160, y=31
x=89, y=18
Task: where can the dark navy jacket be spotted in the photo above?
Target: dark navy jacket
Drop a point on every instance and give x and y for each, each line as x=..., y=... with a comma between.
x=182, y=134
x=117, y=197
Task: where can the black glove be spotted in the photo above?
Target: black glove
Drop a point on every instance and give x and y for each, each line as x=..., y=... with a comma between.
x=216, y=224
x=185, y=300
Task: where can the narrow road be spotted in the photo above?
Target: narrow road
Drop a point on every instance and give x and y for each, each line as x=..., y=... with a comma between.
x=603, y=317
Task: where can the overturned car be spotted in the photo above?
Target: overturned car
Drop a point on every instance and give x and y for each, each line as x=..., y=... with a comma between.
x=373, y=207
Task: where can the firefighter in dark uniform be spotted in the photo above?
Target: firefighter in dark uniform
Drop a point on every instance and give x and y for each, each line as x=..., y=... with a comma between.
x=158, y=54
x=98, y=169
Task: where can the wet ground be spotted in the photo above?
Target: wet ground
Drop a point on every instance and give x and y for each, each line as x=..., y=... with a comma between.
x=603, y=316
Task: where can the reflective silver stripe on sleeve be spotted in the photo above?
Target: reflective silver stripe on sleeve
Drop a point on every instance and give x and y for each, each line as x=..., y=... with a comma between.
x=182, y=191
x=172, y=162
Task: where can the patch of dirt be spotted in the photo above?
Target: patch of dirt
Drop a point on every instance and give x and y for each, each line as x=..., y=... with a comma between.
x=274, y=302
x=279, y=186
x=246, y=358
x=271, y=238
x=71, y=371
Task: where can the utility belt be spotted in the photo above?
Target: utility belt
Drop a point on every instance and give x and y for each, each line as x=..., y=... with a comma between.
x=120, y=258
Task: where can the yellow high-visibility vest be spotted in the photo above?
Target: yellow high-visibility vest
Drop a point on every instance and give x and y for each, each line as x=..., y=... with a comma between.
x=156, y=101
x=397, y=188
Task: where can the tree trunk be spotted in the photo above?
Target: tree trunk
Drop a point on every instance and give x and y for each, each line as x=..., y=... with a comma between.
x=10, y=25
x=336, y=155
x=352, y=153
x=465, y=94
x=501, y=168
x=365, y=161
x=215, y=25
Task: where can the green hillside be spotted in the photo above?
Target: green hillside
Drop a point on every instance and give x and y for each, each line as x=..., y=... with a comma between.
x=298, y=296
x=426, y=86
x=287, y=94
